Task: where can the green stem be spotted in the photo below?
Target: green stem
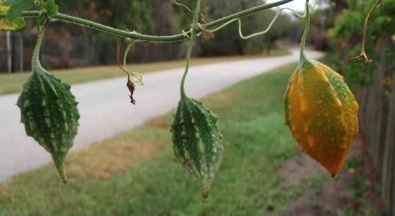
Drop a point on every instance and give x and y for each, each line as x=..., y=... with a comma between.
x=131, y=43
x=152, y=38
x=244, y=13
x=133, y=35
x=192, y=38
x=305, y=33
x=36, y=53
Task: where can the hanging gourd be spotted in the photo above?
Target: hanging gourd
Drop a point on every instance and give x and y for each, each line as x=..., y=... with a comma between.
x=197, y=140
x=49, y=111
x=320, y=111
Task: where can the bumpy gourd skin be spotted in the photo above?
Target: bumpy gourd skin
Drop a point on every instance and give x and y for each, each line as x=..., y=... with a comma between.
x=49, y=113
x=197, y=141
x=322, y=114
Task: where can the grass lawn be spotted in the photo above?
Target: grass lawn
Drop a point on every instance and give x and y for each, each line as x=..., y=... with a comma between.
x=12, y=83
x=135, y=173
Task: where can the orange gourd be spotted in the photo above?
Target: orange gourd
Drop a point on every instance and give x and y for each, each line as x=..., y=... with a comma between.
x=320, y=111
x=322, y=114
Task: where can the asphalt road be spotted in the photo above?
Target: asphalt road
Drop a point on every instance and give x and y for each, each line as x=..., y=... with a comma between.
x=106, y=109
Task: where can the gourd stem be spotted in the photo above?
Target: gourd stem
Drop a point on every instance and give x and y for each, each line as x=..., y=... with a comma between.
x=192, y=38
x=36, y=53
x=305, y=33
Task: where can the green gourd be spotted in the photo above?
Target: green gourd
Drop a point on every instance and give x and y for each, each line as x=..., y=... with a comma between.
x=49, y=112
x=197, y=141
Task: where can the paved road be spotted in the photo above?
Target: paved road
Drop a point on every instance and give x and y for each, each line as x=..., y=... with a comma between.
x=106, y=111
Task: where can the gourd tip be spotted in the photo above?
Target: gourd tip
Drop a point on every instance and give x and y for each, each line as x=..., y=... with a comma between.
x=205, y=198
x=65, y=181
x=205, y=194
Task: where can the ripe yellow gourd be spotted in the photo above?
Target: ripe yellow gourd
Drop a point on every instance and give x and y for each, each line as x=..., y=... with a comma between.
x=320, y=110
x=322, y=113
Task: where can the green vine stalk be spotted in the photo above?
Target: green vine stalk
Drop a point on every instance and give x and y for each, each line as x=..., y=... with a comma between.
x=152, y=38
x=305, y=33
x=193, y=31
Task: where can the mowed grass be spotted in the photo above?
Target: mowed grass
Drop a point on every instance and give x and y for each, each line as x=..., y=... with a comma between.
x=135, y=173
x=12, y=83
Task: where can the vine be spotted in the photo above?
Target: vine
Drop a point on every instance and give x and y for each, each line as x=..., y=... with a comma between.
x=279, y=11
x=138, y=36
x=194, y=27
x=363, y=56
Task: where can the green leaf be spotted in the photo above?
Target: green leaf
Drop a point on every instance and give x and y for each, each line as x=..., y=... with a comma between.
x=10, y=2
x=51, y=7
x=7, y=25
x=16, y=7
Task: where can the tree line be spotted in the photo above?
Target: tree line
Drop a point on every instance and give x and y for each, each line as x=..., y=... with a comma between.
x=70, y=46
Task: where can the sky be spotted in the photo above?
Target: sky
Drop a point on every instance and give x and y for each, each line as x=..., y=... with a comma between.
x=296, y=4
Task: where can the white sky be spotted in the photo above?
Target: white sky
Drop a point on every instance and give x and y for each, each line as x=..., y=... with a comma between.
x=296, y=4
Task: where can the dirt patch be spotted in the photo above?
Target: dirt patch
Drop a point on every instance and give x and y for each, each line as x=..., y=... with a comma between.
x=353, y=192
x=107, y=159
x=158, y=123
x=220, y=96
x=302, y=167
